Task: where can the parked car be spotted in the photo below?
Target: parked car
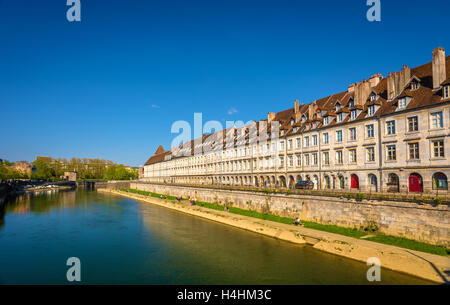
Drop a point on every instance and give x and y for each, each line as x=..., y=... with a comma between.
x=304, y=185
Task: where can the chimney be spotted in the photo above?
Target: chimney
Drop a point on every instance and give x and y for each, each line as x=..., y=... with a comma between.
x=375, y=80
x=311, y=110
x=362, y=91
x=404, y=77
x=439, y=73
x=298, y=115
x=270, y=117
x=297, y=106
x=351, y=88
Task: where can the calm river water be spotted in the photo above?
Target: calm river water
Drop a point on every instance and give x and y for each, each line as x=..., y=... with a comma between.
x=123, y=241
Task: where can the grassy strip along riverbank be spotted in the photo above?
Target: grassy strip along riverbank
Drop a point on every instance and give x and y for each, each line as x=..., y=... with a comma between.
x=384, y=239
x=428, y=266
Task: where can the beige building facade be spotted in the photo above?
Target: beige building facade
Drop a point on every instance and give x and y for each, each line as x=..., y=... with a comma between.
x=380, y=135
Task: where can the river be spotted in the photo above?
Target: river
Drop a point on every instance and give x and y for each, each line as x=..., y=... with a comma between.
x=123, y=241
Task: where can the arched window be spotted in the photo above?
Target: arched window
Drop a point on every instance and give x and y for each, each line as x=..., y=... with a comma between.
x=327, y=182
x=341, y=182
x=440, y=181
x=393, y=183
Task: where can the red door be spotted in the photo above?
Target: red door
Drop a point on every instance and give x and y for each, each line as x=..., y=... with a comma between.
x=415, y=183
x=354, y=182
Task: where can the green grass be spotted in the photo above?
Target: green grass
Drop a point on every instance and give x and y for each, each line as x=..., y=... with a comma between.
x=409, y=244
x=355, y=233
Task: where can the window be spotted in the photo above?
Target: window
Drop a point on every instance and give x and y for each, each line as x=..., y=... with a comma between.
x=371, y=110
x=354, y=114
x=440, y=182
x=326, y=158
x=290, y=144
x=306, y=159
x=373, y=97
x=291, y=161
x=414, y=85
x=413, y=124
x=340, y=117
x=326, y=120
x=339, y=136
x=306, y=141
x=299, y=142
x=370, y=154
x=282, y=145
x=281, y=161
x=339, y=159
x=292, y=122
x=351, y=104
x=438, y=149
x=314, y=140
x=353, y=134
x=436, y=120
x=352, y=155
x=402, y=103
x=391, y=153
x=314, y=159
x=325, y=138
x=299, y=160
x=369, y=129
x=413, y=151
x=390, y=127
x=447, y=92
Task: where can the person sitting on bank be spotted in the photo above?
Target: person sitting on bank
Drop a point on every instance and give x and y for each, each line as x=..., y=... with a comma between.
x=297, y=222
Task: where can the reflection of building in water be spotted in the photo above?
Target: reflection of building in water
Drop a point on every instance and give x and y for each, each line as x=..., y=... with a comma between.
x=68, y=198
x=41, y=202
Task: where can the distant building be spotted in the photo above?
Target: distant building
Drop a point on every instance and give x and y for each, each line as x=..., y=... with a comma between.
x=141, y=172
x=71, y=176
x=22, y=166
x=25, y=167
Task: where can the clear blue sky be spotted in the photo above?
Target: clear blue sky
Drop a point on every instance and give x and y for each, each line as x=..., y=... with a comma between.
x=111, y=85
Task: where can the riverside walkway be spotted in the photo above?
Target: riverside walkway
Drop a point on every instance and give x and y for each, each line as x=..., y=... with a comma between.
x=428, y=266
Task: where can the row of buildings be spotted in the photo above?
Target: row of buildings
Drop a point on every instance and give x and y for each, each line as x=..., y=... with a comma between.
x=384, y=134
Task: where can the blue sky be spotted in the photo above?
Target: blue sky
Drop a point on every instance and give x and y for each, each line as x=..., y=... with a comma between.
x=111, y=85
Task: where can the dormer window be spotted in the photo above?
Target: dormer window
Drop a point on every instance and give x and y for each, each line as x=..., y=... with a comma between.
x=340, y=117
x=446, y=92
x=373, y=97
x=371, y=110
x=351, y=104
x=414, y=85
x=303, y=118
x=326, y=120
x=295, y=129
x=338, y=107
x=354, y=114
x=402, y=103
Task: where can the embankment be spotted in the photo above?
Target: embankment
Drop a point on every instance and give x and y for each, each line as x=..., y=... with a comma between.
x=422, y=222
x=428, y=266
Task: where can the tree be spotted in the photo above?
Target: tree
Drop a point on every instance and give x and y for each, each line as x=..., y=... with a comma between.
x=3, y=172
x=119, y=172
x=43, y=171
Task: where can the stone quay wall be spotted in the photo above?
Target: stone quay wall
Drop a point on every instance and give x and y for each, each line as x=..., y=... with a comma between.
x=422, y=222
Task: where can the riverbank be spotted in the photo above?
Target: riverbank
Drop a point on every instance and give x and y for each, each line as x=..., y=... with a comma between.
x=423, y=265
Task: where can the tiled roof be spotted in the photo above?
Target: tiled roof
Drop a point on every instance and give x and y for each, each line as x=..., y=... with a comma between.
x=421, y=97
